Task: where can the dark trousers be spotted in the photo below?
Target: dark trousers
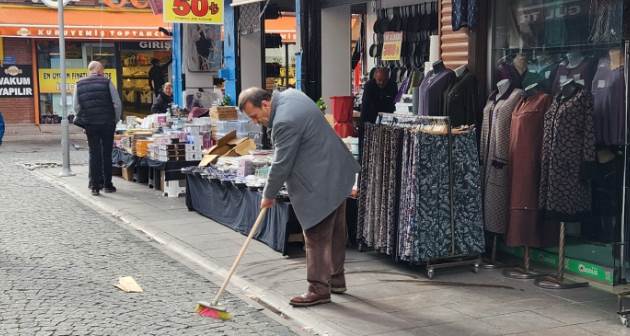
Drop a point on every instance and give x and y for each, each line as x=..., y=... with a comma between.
x=100, y=141
x=326, y=252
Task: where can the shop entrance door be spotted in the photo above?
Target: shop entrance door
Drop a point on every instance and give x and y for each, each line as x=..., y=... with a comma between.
x=135, y=59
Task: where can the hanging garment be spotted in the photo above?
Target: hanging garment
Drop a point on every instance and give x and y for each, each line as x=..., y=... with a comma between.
x=508, y=71
x=433, y=235
x=465, y=14
x=526, y=135
x=609, y=110
x=469, y=235
x=568, y=152
x=582, y=73
x=407, y=223
x=495, y=154
x=461, y=102
x=543, y=75
x=432, y=89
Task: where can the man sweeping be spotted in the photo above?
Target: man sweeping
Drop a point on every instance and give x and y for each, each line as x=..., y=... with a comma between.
x=319, y=172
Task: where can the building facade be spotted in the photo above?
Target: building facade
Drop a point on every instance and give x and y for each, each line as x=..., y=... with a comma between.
x=124, y=36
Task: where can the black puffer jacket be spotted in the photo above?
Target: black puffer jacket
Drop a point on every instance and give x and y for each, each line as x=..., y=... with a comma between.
x=162, y=103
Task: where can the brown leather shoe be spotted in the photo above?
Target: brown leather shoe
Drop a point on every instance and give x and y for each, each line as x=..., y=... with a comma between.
x=309, y=299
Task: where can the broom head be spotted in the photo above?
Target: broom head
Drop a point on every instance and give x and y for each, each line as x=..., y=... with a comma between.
x=206, y=310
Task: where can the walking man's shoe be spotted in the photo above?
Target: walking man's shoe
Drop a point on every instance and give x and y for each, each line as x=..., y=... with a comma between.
x=309, y=299
x=95, y=192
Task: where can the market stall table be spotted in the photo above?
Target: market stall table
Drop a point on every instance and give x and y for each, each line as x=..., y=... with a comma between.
x=236, y=206
x=150, y=171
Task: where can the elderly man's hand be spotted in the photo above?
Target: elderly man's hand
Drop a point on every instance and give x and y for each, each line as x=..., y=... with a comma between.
x=266, y=203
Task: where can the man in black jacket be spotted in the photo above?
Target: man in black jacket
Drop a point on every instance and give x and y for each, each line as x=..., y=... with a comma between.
x=378, y=96
x=98, y=108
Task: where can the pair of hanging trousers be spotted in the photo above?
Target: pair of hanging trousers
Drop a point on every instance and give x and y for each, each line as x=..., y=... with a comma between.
x=326, y=252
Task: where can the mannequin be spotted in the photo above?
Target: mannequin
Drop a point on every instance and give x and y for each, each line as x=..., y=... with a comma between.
x=569, y=89
x=503, y=86
x=616, y=58
x=438, y=66
x=532, y=89
x=459, y=71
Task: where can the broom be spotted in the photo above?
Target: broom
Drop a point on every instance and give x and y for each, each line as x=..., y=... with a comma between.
x=212, y=309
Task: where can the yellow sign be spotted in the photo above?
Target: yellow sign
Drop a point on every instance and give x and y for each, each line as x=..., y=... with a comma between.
x=392, y=46
x=193, y=11
x=50, y=79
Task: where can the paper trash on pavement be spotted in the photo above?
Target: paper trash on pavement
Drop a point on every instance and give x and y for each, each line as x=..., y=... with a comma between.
x=129, y=285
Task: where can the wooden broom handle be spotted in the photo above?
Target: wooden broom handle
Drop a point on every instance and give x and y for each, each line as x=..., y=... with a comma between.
x=252, y=232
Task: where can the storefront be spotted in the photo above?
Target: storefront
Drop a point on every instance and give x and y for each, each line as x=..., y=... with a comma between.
x=125, y=41
x=560, y=49
x=542, y=54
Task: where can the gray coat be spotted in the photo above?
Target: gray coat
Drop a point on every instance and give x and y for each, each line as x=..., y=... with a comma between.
x=309, y=156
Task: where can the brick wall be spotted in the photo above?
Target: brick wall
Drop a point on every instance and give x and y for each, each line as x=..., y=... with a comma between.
x=18, y=110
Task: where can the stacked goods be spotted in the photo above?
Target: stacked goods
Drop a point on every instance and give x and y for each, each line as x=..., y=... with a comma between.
x=193, y=152
x=171, y=152
x=142, y=147
x=223, y=113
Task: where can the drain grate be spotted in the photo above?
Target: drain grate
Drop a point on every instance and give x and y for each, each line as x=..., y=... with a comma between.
x=38, y=165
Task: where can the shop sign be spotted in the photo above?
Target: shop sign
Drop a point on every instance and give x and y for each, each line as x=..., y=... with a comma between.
x=147, y=45
x=193, y=11
x=555, y=10
x=392, y=46
x=16, y=81
x=139, y=4
x=86, y=33
x=50, y=79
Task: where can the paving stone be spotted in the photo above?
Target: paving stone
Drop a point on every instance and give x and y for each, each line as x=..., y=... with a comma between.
x=60, y=259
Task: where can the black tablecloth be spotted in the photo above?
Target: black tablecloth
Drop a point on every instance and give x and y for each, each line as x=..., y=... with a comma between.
x=237, y=208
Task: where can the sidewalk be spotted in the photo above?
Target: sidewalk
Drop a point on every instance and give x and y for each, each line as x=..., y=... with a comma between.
x=382, y=299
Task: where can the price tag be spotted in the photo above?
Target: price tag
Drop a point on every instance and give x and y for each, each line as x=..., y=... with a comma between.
x=193, y=11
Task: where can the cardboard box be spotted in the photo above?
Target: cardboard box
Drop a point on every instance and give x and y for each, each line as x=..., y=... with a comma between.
x=224, y=113
x=127, y=173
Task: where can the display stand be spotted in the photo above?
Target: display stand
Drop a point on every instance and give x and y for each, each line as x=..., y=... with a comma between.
x=452, y=260
x=492, y=263
x=522, y=273
x=558, y=281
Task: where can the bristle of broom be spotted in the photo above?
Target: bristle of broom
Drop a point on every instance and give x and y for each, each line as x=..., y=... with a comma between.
x=214, y=313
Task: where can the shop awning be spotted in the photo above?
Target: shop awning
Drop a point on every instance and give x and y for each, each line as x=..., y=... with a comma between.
x=244, y=2
x=80, y=23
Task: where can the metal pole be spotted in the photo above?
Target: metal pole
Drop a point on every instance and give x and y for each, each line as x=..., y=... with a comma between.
x=65, y=132
x=623, y=247
x=561, y=252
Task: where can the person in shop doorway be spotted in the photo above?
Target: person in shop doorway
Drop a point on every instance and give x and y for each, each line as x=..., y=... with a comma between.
x=157, y=73
x=164, y=99
x=97, y=107
x=379, y=94
x=319, y=172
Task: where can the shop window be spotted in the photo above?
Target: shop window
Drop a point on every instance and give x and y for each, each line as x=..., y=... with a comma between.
x=141, y=79
x=78, y=56
x=549, y=43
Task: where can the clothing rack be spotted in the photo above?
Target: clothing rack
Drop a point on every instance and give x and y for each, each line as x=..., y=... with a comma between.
x=452, y=260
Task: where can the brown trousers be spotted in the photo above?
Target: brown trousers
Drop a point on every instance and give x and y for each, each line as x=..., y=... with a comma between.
x=326, y=252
